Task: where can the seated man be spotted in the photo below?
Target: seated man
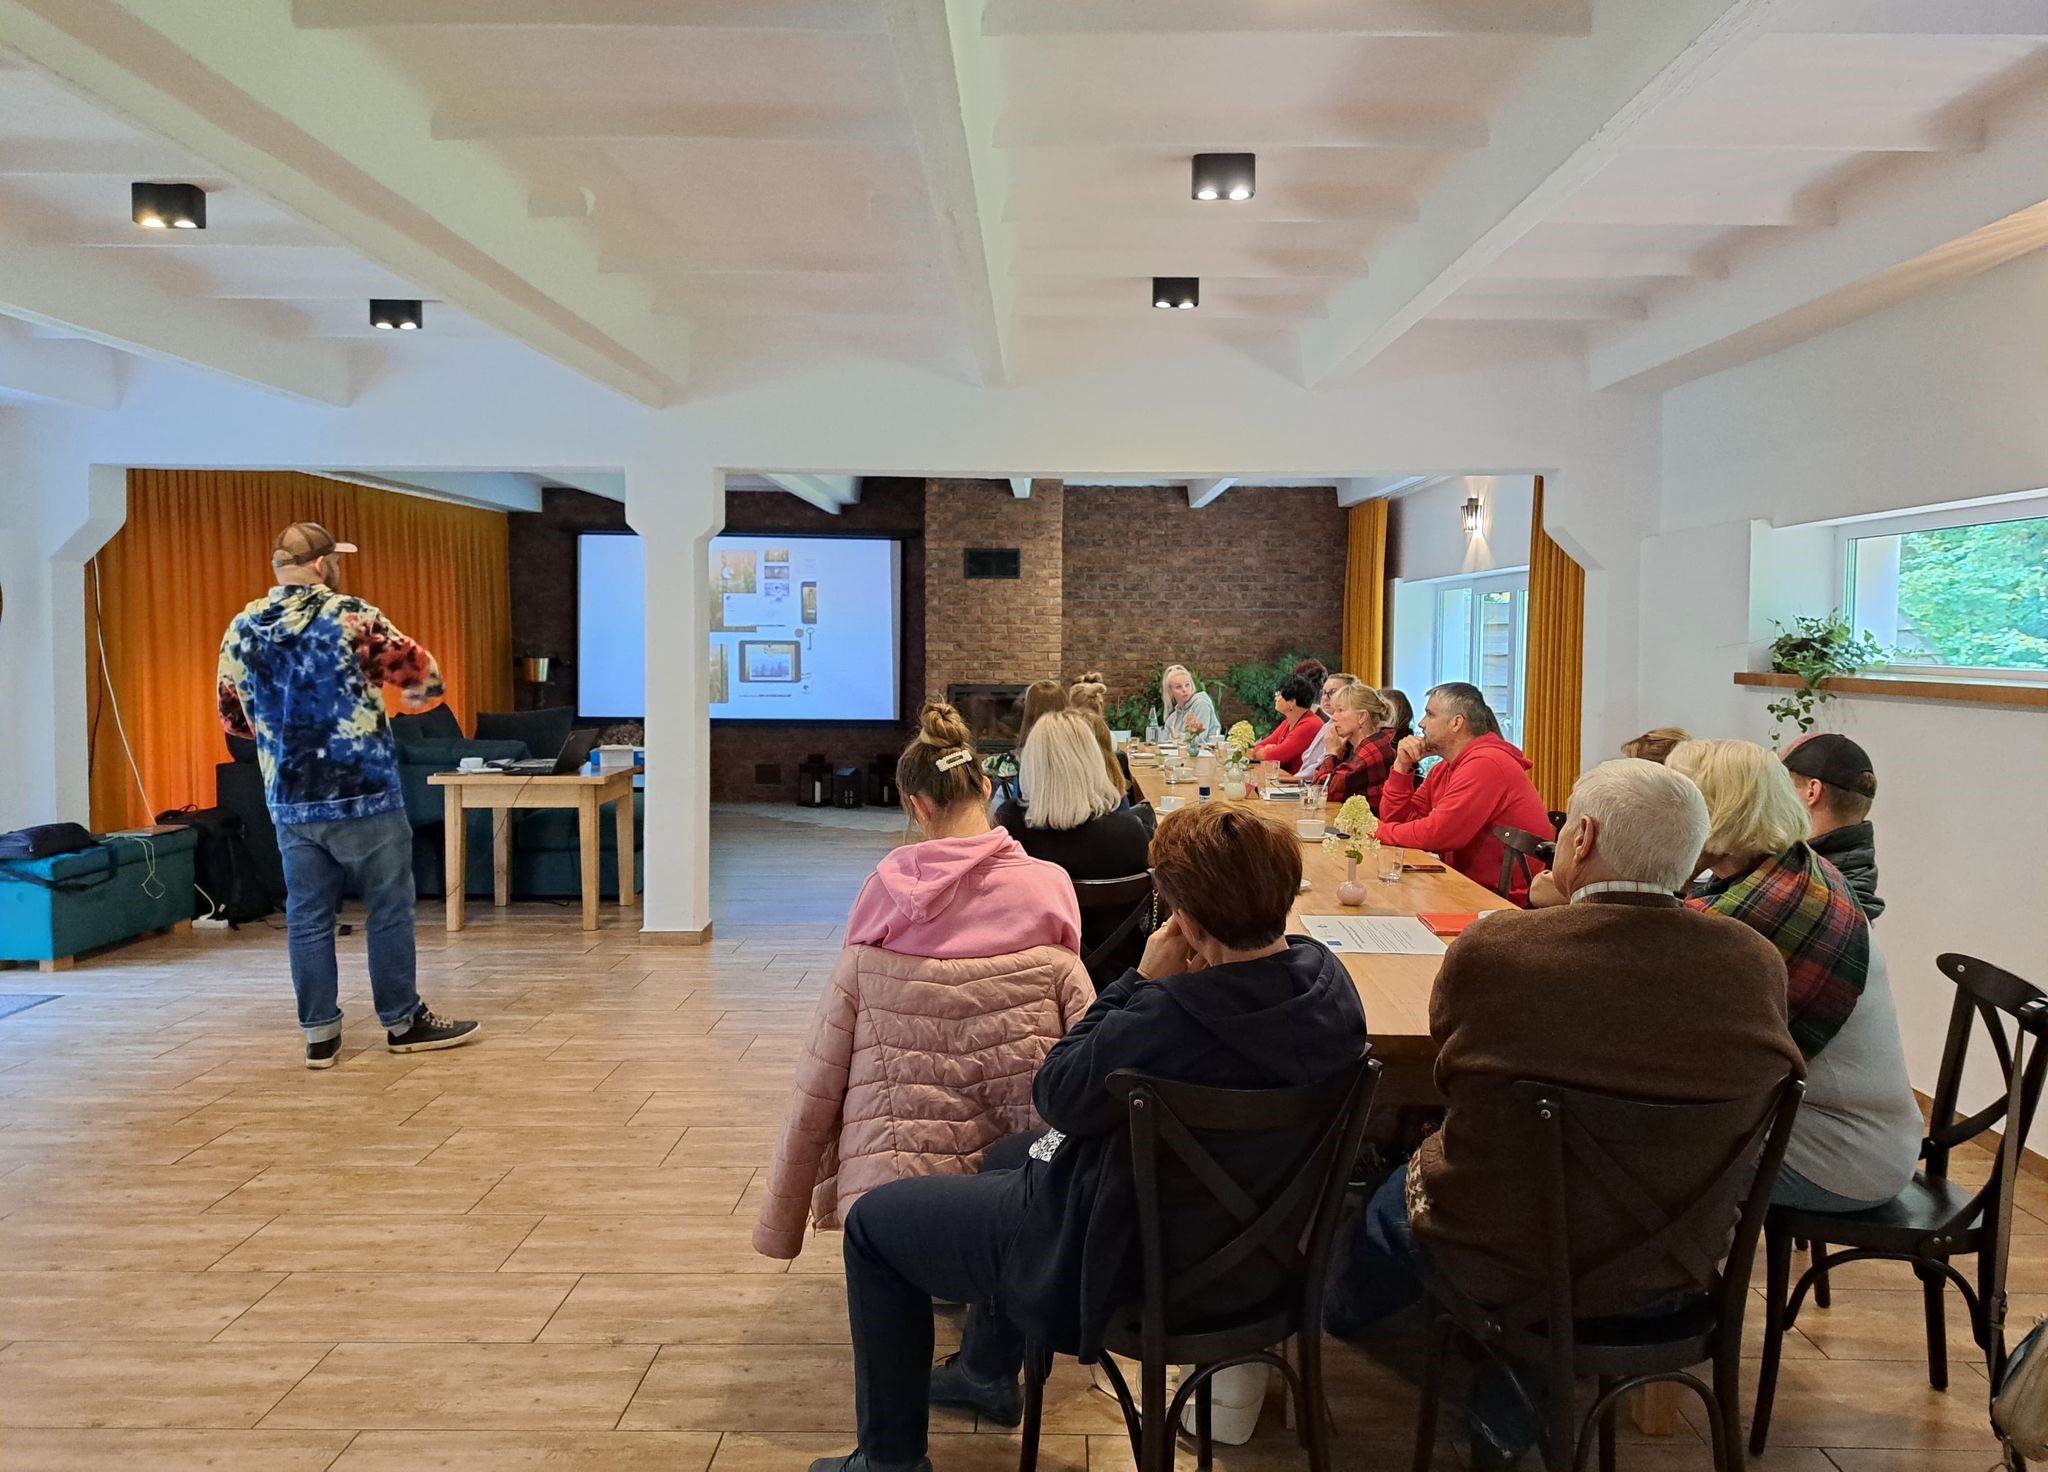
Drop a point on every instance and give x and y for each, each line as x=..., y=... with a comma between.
x=1621, y=990
x=1481, y=784
x=1833, y=778
x=1222, y=997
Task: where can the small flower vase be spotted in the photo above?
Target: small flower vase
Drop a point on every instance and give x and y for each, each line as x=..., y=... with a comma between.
x=1350, y=892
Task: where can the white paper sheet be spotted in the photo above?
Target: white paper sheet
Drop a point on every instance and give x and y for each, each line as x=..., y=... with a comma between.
x=1377, y=935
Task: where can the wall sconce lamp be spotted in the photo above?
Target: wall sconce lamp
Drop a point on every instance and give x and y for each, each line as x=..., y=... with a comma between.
x=1471, y=514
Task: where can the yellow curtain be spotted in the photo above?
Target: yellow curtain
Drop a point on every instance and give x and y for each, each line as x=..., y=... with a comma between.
x=1365, y=593
x=1555, y=678
x=196, y=548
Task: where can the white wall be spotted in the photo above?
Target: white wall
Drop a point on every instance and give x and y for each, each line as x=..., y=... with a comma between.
x=1426, y=532
x=1944, y=397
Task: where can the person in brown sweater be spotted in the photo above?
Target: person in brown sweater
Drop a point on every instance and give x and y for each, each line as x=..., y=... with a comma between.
x=1622, y=990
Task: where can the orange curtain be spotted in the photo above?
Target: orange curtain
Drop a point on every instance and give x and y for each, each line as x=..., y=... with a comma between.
x=196, y=548
x=1365, y=593
x=1555, y=678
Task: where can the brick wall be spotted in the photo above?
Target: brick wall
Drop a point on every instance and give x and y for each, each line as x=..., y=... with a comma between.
x=1255, y=572
x=886, y=505
x=995, y=631
x=542, y=558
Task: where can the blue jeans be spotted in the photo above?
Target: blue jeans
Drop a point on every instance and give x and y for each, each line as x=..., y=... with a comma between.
x=1376, y=1270
x=375, y=854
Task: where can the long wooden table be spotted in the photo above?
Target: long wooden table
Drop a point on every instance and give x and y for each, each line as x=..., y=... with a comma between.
x=586, y=792
x=1393, y=989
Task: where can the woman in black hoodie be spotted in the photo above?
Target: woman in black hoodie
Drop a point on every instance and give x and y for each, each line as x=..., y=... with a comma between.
x=1223, y=997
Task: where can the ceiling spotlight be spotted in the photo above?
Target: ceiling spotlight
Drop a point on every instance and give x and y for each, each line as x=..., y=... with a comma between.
x=399, y=315
x=167, y=206
x=1184, y=292
x=1225, y=175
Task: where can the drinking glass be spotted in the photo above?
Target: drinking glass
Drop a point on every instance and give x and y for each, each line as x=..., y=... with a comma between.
x=1309, y=823
x=1389, y=862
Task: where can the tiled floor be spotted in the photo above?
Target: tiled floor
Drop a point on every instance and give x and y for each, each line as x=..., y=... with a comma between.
x=533, y=1253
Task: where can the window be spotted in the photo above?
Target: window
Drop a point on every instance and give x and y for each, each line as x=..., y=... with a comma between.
x=1482, y=636
x=1959, y=591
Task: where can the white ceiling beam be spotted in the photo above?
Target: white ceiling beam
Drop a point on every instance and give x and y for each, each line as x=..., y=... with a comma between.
x=610, y=484
x=826, y=492
x=512, y=119
x=1566, y=121
x=1408, y=123
x=1524, y=264
x=79, y=375
x=1380, y=207
x=747, y=15
x=1202, y=492
x=1808, y=210
x=320, y=123
x=1947, y=18
x=1308, y=17
x=101, y=158
x=1920, y=223
x=488, y=490
x=951, y=86
x=97, y=299
x=1020, y=487
x=1835, y=132
x=1197, y=259
x=126, y=236
x=1358, y=489
x=1537, y=307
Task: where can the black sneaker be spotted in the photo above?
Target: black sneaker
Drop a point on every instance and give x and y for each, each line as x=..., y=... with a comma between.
x=857, y=1461
x=426, y=1032
x=999, y=1401
x=324, y=1054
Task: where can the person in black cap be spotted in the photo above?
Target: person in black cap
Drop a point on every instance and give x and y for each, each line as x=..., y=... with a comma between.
x=1833, y=777
x=301, y=674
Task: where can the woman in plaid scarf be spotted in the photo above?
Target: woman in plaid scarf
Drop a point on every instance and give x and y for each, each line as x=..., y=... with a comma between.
x=1857, y=1138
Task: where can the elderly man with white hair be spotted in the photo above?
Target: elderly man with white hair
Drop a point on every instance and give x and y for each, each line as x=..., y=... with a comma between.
x=1619, y=990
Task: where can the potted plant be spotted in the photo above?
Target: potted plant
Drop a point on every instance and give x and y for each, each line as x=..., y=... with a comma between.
x=1352, y=835
x=1815, y=650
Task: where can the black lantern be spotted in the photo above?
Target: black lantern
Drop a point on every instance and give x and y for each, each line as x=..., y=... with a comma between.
x=814, y=782
x=846, y=791
x=882, y=782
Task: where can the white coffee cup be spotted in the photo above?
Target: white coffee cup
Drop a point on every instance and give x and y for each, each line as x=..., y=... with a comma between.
x=470, y=764
x=1170, y=804
x=1309, y=827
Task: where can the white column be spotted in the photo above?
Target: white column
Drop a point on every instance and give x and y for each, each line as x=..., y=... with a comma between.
x=677, y=505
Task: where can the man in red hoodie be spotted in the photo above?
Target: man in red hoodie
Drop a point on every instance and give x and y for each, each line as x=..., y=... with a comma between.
x=1481, y=784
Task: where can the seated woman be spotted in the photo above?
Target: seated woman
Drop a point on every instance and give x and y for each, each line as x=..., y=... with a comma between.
x=1403, y=723
x=1856, y=1139
x=960, y=972
x=1325, y=741
x=1090, y=695
x=1041, y=697
x=1363, y=743
x=1077, y=818
x=1222, y=997
x=1189, y=712
x=1654, y=745
x=1299, y=722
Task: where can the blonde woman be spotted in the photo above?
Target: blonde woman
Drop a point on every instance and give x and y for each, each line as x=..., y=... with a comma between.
x=1362, y=744
x=1857, y=1137
x=1189, y=710
x=1075, y=815
x=1040, y=697
x=1090, y=692
x=1655, y=744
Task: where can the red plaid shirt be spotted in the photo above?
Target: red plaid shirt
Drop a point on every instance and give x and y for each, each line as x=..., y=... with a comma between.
x=1360, y=770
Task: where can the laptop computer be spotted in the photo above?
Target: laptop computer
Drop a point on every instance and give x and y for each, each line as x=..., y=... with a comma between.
x=568, y=762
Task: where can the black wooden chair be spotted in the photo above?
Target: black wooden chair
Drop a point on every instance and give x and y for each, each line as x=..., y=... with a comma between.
x=1193, y=1307
x=1521, y=852
x=1120, y=949
x=1934, y=1219
x=1556, y=820
x=1583, y=1140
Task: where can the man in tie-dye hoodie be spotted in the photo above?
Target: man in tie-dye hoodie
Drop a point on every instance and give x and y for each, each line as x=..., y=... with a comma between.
x=301, y=674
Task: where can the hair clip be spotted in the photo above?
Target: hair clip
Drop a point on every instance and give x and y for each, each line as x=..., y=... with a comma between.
x=954, y=759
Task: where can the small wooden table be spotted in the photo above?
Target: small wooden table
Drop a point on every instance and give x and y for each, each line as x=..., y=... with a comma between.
x=501, y=792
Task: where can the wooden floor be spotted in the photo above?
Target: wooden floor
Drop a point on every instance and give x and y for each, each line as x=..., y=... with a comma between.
x=533, y=1252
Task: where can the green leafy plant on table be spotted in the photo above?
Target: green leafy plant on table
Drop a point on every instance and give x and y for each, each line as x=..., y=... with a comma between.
x=1816, y=650
x=1254, y=682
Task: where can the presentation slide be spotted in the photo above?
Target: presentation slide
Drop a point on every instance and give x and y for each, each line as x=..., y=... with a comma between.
x=611, y=627
x=802, y=628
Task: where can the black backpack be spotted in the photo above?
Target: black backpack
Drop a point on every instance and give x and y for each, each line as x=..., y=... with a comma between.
x=44, y=840
x=222, y=866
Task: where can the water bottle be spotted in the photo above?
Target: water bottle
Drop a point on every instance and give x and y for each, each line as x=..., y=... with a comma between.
x=1202, y=794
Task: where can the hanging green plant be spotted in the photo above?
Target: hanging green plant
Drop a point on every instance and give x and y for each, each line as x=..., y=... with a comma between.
x=1815, y=650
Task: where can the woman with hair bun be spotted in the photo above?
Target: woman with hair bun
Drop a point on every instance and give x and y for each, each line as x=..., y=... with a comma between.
x=961, y=969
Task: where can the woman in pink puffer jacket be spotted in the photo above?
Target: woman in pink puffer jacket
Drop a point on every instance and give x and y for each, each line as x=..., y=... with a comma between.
x=961, y=970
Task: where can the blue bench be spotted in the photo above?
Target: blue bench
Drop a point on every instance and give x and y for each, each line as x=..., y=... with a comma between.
x=55, y=909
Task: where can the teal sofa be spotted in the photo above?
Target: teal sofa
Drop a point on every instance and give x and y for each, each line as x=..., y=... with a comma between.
x=56, y=908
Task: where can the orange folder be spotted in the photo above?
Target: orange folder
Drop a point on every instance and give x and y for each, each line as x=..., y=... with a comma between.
x=1446, y=925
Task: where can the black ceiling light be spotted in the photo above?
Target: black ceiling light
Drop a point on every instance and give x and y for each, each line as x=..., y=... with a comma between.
x=397, y=315
x=1225, y=175
x=1176, y=291
x=167, y=206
